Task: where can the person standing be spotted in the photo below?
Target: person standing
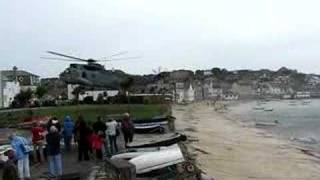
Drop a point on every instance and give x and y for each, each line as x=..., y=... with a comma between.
x=54, y=153
x=97, y=143
x=19, y=145
x=68, y=128
x=38, y=142
x=54, y=122
x=127, y=128
x=112, y=129
x=10, y=171
x=82, y=134
x=99, y=125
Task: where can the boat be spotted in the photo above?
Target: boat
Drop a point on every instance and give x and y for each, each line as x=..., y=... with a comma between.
x=29, y=122
x=152, y=128
x=268, y=109
x=157, y=160
x=166, y=140
x=264, y=124
x=3, y=150
x=159, y=120
x=258, y=108
x=132, y=153
x=306, y=102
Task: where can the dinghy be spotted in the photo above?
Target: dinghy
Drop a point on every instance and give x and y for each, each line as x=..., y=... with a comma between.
x=157, y=160
x=268, y=109
x=265, y=124
x=132, y=153
x=153, y=128
x=157, y=119
x=258, y=108
x=3, y=149
x=166, y=140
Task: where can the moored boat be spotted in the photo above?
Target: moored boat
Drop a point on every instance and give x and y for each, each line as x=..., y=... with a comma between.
x=166, y=140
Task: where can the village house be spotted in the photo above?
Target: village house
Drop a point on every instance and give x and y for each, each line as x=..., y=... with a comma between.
x=244, y=90
x=12, y=81
x=90, y=93
x=184, y=92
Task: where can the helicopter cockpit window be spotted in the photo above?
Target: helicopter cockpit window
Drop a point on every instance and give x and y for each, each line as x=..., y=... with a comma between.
x=84, y=75
x=73, y=66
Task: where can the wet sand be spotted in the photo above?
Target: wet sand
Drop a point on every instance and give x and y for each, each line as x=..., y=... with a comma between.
x=228, y=149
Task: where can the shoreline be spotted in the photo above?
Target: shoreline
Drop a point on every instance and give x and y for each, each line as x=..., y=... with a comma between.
x=229, y=148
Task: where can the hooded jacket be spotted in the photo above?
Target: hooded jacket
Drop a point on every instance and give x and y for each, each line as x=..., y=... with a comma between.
x=16, y=144
x=68, y=126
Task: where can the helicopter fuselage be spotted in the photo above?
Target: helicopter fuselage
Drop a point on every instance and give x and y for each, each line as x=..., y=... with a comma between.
x=94, y=75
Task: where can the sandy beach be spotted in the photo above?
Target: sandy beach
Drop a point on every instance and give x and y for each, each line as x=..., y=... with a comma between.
x=228, y=149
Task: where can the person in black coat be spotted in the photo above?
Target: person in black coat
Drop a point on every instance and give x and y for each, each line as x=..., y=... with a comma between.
x=54, y=153
x=54, y=122
x=82, y=137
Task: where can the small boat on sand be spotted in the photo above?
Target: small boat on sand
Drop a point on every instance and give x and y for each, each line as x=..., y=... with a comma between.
x=258, y=108
x=268, y=109
x=166, y=140
x=266, y=124
x=157, y=119
x=132, y=153
x=152, y=128
x=157, y=160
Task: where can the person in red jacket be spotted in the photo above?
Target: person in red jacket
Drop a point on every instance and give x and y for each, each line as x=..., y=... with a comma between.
x=97, y=143
x=38, y=142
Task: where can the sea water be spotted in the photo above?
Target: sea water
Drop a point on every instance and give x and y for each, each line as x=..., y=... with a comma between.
x=298, y=120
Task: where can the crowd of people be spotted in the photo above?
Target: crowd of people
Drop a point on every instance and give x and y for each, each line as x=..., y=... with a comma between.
x=99, y=139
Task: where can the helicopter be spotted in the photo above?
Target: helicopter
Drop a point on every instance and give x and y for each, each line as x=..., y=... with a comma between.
x=92, y=73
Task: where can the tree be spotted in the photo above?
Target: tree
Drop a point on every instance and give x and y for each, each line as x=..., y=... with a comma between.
x=40, y=91
x=23, y=98
x=77, y=91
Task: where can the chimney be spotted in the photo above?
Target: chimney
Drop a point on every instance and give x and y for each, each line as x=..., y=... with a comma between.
x=15, y=69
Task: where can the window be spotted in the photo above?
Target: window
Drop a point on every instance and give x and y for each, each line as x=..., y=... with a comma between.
x=84, y=75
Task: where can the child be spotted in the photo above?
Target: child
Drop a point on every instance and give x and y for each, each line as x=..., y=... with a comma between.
x=97, y=143
x=10, y=171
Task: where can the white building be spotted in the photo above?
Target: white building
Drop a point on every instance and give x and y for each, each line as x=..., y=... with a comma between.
x=93, y=93
x=184, y=93
x=8, y=91
x=302, y=95
x=12, y=81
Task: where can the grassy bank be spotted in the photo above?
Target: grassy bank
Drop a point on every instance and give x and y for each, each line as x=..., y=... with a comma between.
x=90, y=112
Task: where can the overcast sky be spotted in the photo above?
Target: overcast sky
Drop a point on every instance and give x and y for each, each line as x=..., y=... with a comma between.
x=174, y=34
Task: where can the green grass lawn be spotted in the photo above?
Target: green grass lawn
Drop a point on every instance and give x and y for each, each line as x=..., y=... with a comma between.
x=89, y=112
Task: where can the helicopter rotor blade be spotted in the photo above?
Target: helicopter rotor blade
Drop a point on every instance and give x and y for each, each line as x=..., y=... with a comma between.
x=63, y=55
x=58, y=59
x=120, y=53
x=121, y=59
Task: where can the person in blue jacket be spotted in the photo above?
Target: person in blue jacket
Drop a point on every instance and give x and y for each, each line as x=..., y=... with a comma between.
x=68, y=129
x=18, y=144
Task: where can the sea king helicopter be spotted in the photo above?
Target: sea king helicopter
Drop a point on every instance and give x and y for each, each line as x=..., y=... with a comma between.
x=92, y=73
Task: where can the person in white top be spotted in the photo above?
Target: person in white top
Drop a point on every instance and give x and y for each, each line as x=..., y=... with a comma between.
x=112, y=132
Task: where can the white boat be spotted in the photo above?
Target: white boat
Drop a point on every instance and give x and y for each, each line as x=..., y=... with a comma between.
x=164, y=140
x=141, y=151
x=258, y=108
x=157, y=160
x=265, y=124
x=128, y=155
x=3, y=149
x=268, y=109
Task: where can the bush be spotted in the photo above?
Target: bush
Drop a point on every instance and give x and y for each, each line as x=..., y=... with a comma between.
x=88, y=100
